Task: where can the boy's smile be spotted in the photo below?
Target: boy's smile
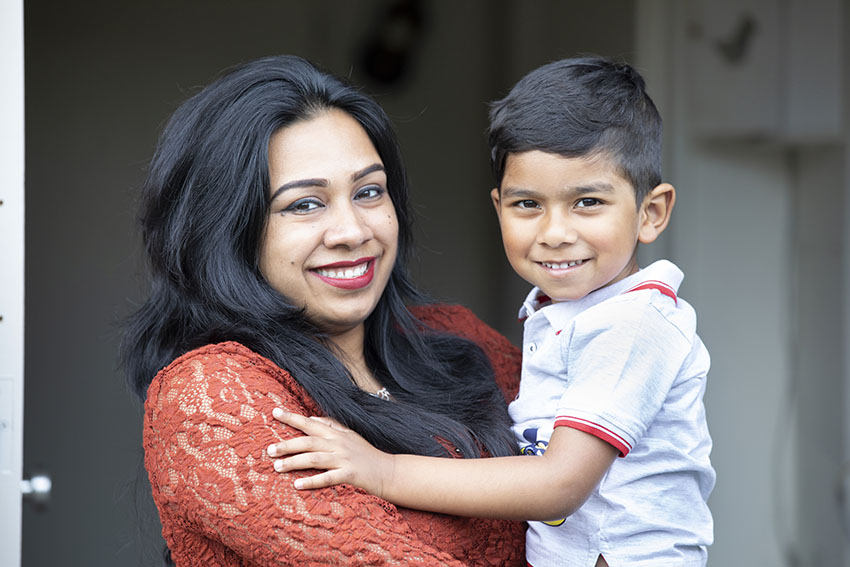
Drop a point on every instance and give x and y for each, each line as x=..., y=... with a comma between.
x=571, y=225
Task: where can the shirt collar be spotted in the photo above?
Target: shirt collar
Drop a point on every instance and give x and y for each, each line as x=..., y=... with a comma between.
x=534, y=302
x=560, y=313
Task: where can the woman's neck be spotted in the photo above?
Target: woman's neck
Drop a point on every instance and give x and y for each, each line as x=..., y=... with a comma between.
x=350, y=347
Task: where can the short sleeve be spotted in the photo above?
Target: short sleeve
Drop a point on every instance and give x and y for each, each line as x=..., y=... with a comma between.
x=622, y=360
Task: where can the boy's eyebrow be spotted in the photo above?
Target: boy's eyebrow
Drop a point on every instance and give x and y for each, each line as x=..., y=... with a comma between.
x=319, y=182
x=600, y=186
x=522, y=192
x=519, y=192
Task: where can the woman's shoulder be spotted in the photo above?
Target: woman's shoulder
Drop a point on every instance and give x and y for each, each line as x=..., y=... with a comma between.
x=228, y=354
x=458, y=320
x=505, y=357
x=219, y=371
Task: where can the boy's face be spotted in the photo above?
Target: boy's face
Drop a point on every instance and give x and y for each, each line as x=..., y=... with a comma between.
x=569, y=225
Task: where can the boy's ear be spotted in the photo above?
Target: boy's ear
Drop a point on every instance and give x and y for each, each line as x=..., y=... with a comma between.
x=494, y=195
x=655, y=212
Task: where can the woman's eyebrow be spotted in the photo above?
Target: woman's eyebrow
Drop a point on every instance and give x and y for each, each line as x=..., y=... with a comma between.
x=316, y=182
x=366, y=171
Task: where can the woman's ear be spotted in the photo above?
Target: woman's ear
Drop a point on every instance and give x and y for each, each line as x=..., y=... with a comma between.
x=655, y=212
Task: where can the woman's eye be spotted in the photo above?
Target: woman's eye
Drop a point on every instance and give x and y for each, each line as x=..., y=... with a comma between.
x=588, y=202
x=302, y=206
x=370, y=192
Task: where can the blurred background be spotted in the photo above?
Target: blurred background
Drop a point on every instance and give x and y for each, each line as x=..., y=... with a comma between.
x=754, y=97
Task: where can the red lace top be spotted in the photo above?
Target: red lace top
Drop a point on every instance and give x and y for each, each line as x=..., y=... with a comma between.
x=207, y=426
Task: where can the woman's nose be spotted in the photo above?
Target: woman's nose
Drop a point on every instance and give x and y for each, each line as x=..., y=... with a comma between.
x=347, y=227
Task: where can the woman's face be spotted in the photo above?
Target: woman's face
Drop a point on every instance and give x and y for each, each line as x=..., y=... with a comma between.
x=332, y=235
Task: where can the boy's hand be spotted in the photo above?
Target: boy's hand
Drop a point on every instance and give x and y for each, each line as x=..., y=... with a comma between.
x=345, y=456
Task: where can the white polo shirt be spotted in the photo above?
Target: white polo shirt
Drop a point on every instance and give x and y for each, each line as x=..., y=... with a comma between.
x=625, y=364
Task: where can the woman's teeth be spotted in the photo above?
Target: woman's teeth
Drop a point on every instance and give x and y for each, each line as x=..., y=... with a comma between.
x=562, y=265
x=344, y=274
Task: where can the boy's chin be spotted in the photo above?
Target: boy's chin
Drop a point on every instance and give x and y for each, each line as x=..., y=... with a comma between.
x=562, y=295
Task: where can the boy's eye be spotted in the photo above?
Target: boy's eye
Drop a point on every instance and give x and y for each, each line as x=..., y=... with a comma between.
x=588, y=202
x=526, y=204
x=370, y=192
x=302, y=206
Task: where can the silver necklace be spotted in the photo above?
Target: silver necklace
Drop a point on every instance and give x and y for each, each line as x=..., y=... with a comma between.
x=383, y=394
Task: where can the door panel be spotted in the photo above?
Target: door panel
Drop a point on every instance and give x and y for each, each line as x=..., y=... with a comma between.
x=11, y=277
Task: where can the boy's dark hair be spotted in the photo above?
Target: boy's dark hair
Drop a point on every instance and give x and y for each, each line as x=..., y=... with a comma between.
x=582, y=107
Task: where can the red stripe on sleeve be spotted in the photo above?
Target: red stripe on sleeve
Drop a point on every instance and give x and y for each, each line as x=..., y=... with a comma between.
x=597, y=431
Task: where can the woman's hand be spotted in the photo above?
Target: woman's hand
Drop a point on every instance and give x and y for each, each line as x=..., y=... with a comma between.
x=345, y=456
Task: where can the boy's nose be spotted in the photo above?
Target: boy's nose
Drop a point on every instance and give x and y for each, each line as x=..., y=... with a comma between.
x=556, y=230
x=346, y=227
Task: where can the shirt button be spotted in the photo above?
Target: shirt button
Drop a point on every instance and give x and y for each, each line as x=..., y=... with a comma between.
x=532, y=347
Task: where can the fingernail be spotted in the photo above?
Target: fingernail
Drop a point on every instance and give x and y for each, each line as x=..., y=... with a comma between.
x=272, y=450
x=278, y=466
x=299, y=483
x=277, y=412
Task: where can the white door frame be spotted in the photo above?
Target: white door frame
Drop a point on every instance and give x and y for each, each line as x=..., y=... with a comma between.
x=11, y=277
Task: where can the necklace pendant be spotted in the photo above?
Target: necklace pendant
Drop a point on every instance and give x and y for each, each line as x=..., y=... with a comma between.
x=383, y=394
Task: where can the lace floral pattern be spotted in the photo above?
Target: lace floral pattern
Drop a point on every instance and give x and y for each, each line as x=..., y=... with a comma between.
x=207, y=425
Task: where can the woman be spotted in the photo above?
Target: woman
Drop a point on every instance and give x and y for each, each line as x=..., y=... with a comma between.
x=275, y=221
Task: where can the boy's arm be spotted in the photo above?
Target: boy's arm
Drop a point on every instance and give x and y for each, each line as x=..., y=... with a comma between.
x=548, y=487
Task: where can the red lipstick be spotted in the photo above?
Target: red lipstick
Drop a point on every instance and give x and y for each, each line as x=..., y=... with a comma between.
x=355, y=282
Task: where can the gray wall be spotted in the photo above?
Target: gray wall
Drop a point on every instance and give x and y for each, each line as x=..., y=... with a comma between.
x=760, y=229
x=816, y=398
x=101, y=78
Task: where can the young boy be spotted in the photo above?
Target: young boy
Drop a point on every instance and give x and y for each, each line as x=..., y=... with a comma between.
x=613, y=371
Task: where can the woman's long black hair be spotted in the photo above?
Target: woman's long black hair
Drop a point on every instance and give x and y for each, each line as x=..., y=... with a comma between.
x=204, y=209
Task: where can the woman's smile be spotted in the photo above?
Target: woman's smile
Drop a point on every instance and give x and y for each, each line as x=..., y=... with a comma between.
x=348, y=275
